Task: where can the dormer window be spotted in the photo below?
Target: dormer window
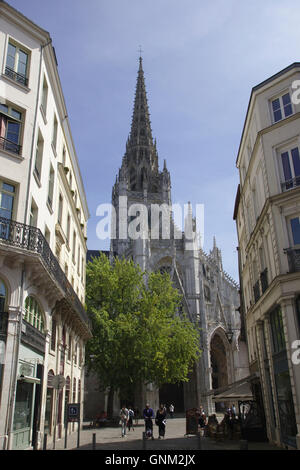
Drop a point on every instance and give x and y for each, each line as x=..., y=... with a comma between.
x=282, y=107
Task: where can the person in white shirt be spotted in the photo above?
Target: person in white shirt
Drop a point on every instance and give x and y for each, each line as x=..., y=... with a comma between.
x=124, y=415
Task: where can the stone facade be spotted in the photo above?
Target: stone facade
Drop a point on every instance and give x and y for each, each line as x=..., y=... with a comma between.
x=43, y=219
x=267, y=214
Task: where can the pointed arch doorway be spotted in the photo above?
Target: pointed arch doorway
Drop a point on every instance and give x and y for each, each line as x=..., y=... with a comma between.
x=218, y=365
x=172, y=393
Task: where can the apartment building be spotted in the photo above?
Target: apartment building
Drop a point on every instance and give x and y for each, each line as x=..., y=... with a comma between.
x=43, y=223
x=267, y=214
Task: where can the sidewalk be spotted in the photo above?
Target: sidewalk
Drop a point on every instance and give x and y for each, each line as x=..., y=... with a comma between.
x=110, y=439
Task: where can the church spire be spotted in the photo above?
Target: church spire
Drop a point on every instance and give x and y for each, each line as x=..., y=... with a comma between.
x=141, y=133
x=141, y=153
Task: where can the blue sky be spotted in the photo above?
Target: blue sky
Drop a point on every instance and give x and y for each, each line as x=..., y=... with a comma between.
x=201, y=60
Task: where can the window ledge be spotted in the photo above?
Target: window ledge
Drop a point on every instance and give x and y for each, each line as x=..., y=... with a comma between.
x=14, y=82
x=12, y=154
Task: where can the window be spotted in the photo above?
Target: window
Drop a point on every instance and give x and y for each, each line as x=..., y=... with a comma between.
x=282, y=107
x=33, y=214
x=10, y=129
x=33, y=313
x=64, y=156
x=74, y=247
x=51, y=186
x=7, y=194
x=3, y=296
x=290, y=162
x=39, y=156
x=276, y=324
x=54, y=132
x=44, y=97
x=60, y=209
x=17, y=64
x=78, y=261
x=68, y=228
x=295, y=227
x=82, y=270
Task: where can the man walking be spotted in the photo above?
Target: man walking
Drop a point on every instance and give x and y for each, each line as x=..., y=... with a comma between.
x=148, y=415
x=124, y=415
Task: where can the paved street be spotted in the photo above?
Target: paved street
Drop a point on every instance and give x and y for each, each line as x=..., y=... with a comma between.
x=175, y=439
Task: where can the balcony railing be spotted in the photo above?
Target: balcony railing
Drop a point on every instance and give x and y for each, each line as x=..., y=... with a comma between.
x=290, y=184
x=17, y=77
x=3, y=323
x=31, y=239
x=264, y=280
x=293, y=256
x=10, y=146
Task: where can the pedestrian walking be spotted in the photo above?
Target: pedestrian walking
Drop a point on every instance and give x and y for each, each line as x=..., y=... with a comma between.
x=171, y=410
x=202, y=418
x=124, y=415
x=148, y=415
x=130, y=418
x=160, y=421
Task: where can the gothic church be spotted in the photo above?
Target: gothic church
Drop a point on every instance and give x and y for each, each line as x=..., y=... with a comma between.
x=211, y=297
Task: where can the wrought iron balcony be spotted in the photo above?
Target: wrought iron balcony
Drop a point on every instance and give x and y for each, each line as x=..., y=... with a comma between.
x=293, y=256
x=3, y=323
x=31, y=239
x=10, y=146
x=256, y=291
x=17, y=77
x=290, y=184
x=264, y=280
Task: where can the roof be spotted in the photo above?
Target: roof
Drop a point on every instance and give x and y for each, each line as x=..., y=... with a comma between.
x=261, y=85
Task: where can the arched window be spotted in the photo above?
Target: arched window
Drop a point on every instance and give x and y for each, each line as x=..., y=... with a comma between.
x=3, y=296
x=34, y=313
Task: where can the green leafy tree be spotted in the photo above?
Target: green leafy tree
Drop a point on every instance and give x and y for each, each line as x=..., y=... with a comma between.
x=138, y=335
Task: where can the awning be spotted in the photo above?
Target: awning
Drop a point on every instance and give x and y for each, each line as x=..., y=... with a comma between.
x=240, y=390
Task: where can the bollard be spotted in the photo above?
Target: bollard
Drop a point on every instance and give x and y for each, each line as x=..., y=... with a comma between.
x=144, y=440
x=45, y=442
x=94, y=441
x=243, y=445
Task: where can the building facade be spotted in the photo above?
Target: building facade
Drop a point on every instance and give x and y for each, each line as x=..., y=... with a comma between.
x=267, y=214
x=210, y=296
x=43, y=219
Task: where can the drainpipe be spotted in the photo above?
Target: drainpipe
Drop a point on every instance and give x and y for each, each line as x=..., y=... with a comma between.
x=33, y=133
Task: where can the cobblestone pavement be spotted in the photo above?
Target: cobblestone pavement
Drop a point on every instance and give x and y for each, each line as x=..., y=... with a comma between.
x=175, y=439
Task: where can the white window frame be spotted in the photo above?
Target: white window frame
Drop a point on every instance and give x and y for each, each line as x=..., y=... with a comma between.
x=279, y=97
x=286, y=149
x=19, y=47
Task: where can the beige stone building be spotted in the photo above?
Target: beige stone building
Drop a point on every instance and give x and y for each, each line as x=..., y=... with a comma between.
x=267, y=214
x=43, y=219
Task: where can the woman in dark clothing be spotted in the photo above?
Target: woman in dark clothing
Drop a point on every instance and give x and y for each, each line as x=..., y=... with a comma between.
x=160, y=421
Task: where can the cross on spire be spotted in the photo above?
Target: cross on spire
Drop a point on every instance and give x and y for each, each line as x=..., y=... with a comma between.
x=140, y=50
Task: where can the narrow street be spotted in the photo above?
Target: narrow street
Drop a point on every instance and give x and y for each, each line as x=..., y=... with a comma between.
x=110, y=439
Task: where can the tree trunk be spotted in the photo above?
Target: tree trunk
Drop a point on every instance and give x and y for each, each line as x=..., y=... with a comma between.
x=110, y=403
